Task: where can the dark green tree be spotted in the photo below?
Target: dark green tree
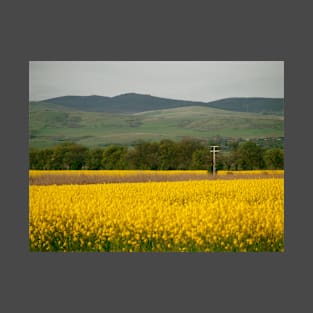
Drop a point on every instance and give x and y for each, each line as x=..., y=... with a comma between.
x=167, y=155
x=226, y=159
x=201, y=159
x=94, y=158
x=74, y=157
x=35, y=162
x=68, y=156
x=47, y=159
x=145, y=156
x=185, y=150
x=250, y=156
x=114, y=158
x=274, y=158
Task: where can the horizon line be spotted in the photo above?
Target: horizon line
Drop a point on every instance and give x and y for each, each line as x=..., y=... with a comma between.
x=144, y=94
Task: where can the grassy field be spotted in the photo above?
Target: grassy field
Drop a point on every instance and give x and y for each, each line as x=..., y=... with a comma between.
x=51, y=125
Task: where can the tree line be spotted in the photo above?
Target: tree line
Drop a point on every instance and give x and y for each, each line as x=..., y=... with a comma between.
x=187, y=154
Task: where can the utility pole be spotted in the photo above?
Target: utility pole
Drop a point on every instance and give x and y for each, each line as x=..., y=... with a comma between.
x=214, y=162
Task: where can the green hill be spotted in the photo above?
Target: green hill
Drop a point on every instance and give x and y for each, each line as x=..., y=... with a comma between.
x=254, y=105
x=126, y=103
x=53, y=123
x=134, y=103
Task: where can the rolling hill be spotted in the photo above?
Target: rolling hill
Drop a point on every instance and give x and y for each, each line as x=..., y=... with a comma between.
x=133, y=103
x=98, y=121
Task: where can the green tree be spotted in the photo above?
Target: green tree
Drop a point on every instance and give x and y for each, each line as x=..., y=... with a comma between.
x=227, y=160
x=114, y=158
x=68, y=156
x=201, y=159
x=75, y=156
x=35, y=162
x=94, y=158
x=46, y=155
x=145, y=156
x=274, y=158
x=250, y=156
x=185, y=150
x=167, y=155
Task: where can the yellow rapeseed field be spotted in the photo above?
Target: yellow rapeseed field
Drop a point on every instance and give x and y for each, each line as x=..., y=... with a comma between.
x=186, y=216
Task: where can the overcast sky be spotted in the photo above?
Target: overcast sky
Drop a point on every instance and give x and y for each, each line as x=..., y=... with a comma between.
x=198, y=81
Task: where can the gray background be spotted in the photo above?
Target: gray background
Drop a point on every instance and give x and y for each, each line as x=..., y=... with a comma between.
x=138, y=30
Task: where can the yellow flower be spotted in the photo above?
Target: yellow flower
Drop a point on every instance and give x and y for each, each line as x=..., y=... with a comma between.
x=242, y=214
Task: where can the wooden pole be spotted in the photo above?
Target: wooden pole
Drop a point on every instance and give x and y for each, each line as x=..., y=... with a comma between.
x=214, y=160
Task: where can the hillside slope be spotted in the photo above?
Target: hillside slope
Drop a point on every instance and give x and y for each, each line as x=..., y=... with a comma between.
x=50, y=124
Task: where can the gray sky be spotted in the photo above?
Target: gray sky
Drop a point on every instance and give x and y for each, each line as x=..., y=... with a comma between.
x=189, y=80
